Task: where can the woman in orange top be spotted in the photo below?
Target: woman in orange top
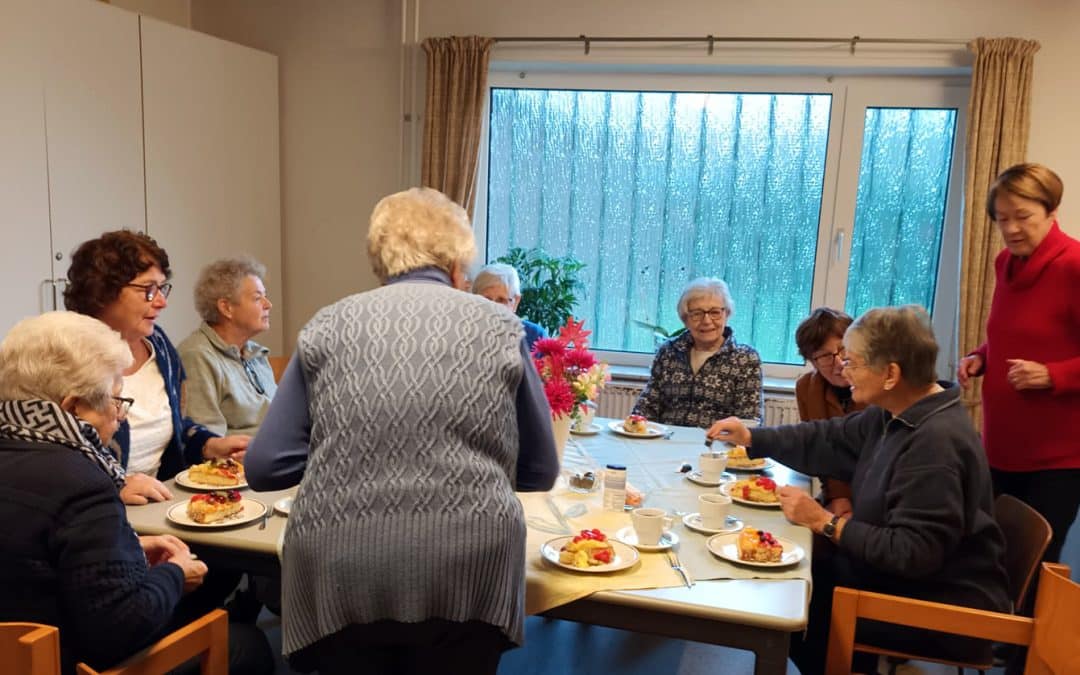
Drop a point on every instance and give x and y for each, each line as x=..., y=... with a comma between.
x=824, y=392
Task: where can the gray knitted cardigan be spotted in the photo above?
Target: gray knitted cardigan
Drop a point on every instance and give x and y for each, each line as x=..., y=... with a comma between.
x=406, y=510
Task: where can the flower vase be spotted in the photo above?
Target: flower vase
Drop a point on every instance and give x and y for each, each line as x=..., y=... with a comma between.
x=560, y=429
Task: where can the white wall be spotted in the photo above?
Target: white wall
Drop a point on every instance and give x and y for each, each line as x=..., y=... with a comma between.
x=176, y=12
x=341, y=96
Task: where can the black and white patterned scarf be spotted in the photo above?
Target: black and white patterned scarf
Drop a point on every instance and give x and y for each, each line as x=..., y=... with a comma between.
x=39, y=421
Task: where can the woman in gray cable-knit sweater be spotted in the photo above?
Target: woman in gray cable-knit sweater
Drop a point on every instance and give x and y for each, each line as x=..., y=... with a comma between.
x=409, y=414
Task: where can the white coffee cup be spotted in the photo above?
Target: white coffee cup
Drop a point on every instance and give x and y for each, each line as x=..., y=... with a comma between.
x=584, y=420
x=712, y=464
x=714, y=509
x=649, y=525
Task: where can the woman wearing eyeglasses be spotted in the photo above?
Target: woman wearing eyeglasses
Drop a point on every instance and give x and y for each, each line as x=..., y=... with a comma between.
x=121, y=278
x=824, y=392
x=922, y=523
x=703, y=374
x=230, y=382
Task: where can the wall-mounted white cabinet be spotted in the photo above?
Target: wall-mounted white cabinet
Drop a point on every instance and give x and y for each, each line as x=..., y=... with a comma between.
x=110, y=120
x=212, y=171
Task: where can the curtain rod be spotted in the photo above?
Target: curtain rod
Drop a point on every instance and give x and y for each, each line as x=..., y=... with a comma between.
x=711, y=40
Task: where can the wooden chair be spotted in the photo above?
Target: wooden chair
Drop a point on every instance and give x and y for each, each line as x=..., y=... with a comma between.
x=1027, y=534
x=30, y=648
x=277, y=364
x=207, y=636
x=1052, y=635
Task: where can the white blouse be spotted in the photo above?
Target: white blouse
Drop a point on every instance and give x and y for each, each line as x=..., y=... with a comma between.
x=150, y=418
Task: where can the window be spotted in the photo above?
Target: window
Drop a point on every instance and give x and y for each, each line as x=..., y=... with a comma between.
x=797, y=193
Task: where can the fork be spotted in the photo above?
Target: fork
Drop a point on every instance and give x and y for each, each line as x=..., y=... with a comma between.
x=676, y=564
x=266, y=517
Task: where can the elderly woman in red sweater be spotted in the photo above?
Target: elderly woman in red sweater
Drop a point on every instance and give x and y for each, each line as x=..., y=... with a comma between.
x=1030, y=361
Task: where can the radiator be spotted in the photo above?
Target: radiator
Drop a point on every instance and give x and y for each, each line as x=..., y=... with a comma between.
x=617, y=399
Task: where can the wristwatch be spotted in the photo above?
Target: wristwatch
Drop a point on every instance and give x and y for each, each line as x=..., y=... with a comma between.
x=829, y=530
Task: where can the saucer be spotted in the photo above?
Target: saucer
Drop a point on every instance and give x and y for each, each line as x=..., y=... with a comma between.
x=593, y=429
x=693, y=522
x=628, y=536
x=696, y=477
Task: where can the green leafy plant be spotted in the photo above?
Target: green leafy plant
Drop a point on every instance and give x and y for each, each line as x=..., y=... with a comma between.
x=549, y=285
x=659, y=332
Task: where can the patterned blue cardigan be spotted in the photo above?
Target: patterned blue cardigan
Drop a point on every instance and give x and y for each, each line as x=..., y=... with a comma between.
x=727, y=384
x=188, y=439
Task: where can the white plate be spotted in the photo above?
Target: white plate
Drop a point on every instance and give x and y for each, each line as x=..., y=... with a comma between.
x=625, y=556
x=693, y=521
x=654, y=430
x=184, y=479
x=766, y=464
x=253, y=510
x=726, y=546
x=628, y=535
x=695, y=477
x=725, y=489
x=284, y=505
x=593, y=429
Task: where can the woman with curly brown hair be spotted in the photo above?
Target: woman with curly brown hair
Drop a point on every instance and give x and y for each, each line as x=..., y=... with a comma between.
x=122, y=279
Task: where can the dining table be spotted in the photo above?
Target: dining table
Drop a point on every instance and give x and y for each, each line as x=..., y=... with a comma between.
x=731, y=604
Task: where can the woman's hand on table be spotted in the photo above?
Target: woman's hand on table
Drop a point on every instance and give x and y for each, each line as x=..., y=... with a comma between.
x=142, y=489
x=161, y=548
x=802, y=509
x=227, y=446
x=729, y=429
x=1028, y=375
x=970, y=366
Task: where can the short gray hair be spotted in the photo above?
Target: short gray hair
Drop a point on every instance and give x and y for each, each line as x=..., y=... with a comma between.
x=900, y=335
x=418, y=228
x=61, y=354
x=222, y=279
x=705, y=287
x=497, y=273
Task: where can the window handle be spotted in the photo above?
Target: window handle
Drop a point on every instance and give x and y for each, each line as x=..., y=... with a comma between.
x=839, y=251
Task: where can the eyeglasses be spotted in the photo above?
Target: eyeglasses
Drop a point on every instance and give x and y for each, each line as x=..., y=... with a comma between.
x=152, y=289
x=846, y=364
x=697, y=315
x=827, y=359
x=253, y=377
x=123, y=405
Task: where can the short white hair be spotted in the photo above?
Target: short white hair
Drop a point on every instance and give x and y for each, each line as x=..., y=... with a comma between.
x=705, y=287
x=61, y=354
x=497, y=273
x=418, y=228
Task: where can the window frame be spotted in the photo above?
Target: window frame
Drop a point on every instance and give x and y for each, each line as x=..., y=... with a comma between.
x=849, y=94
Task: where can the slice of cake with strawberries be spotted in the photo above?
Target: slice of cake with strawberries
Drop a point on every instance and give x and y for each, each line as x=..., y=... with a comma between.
x=588, y=549
x=211, y=507
x=224, y=472
x=759, y=489
x=636, y=424
x=759, y=546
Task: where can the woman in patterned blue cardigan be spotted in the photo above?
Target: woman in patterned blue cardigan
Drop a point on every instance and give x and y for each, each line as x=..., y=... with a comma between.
x=703, y=375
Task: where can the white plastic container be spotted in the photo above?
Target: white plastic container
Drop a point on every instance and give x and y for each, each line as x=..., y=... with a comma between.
x=614, y=487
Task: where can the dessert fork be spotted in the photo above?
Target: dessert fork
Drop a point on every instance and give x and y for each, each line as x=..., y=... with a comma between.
x=676, y=564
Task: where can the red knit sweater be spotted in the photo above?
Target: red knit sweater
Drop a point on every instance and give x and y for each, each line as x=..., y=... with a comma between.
x=1035, y=315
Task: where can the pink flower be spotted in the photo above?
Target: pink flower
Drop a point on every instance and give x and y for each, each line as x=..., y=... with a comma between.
x=580, y=358
x=560, y=397
x=573, y=332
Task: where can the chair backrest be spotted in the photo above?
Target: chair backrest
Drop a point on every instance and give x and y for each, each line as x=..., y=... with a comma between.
x=1027, y=534
x=277, y=364
x=1055, y=644
x=30, y=648
x=207, y=637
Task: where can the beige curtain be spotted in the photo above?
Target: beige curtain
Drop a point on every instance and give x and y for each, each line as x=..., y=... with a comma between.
x=456, y=87
x=999, y=115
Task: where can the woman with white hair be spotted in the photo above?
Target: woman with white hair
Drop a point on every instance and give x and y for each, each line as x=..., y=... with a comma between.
x=500, y=283
x=408, y=415
x=229, y=378
x=70, y=559
x=703, y=374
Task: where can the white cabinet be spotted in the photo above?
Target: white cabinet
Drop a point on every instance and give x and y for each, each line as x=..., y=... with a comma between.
x=210, y=114
x=71, y=139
